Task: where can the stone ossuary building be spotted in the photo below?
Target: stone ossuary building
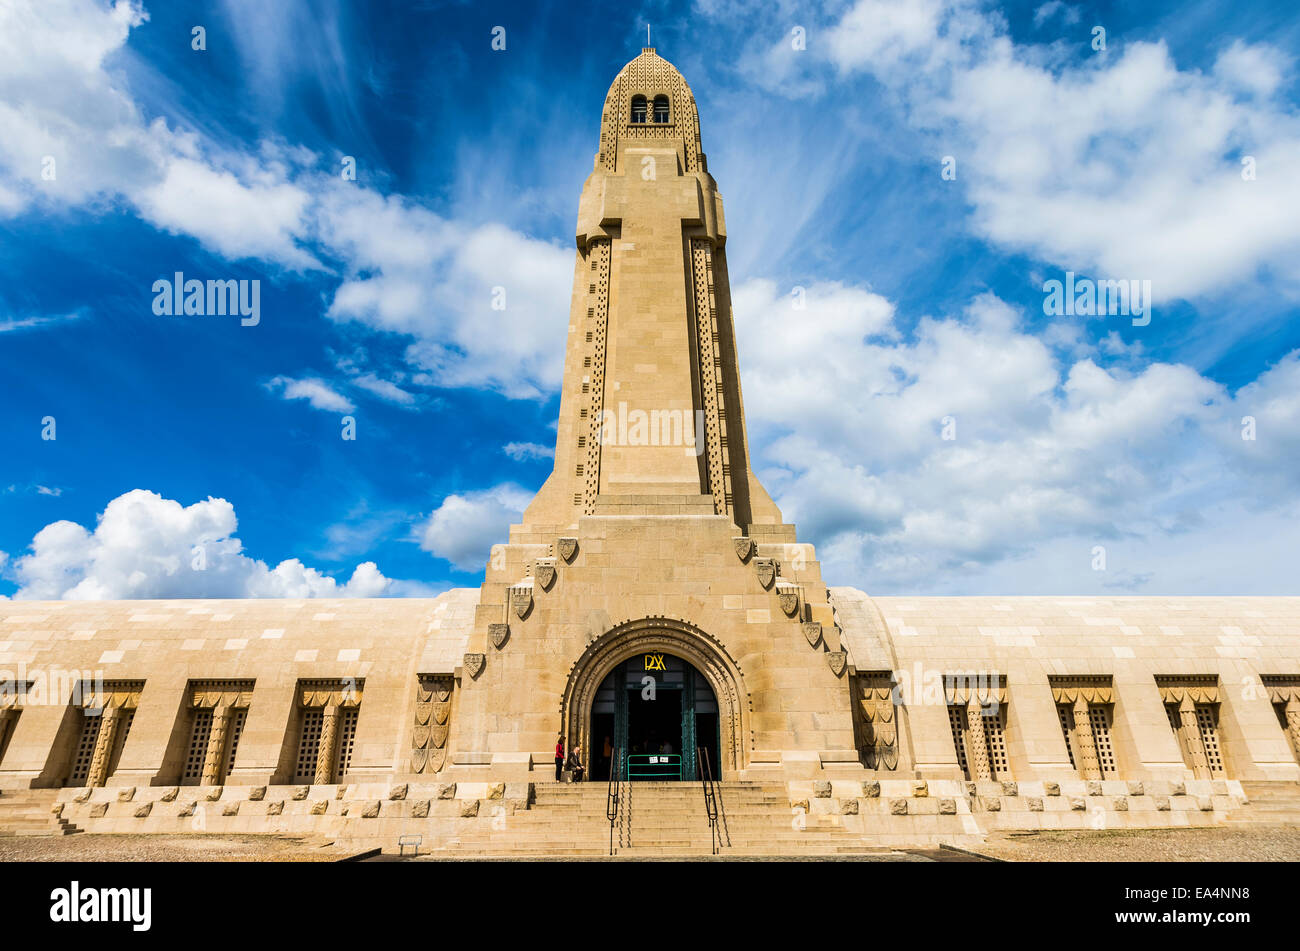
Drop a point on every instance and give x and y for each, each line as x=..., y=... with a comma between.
x=653, y=601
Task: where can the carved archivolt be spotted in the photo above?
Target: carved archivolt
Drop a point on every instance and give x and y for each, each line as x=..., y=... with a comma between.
x=987, y=689
x=210, y=694
x=119, y=694
x=432, y=722
x=330, y=693
x=876, y=719
x=1093, y=689
x=1197, y=689
x=1282, y=689
x=671, y=636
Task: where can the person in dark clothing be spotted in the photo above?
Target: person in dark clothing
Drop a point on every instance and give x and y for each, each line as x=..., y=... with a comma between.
x=559, y=759
x=575, y=764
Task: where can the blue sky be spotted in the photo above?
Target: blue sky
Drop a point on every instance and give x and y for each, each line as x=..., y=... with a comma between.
x=178, y=435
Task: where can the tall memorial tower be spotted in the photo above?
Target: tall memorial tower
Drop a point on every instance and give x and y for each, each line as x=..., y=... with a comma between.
x=652, y=536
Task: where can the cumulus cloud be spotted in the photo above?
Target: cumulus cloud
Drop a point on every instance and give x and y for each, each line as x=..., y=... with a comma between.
x=1122, y=163
x=1047, y=447
x=465, y=526
x=146, y=546
x=483, y=305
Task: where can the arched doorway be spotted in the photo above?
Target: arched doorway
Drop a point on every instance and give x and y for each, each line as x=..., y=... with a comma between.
x=625, y=648
x=660, y=710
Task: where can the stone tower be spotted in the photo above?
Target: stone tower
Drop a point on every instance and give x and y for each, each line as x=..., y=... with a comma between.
x=652, y=533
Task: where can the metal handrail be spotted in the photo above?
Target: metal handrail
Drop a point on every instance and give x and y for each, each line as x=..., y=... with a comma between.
x=710, y=794
x=612, y=795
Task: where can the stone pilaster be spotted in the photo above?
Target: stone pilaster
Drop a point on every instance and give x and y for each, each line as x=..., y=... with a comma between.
x=104, y=743
x=1292, y=724
x=212, y=760
x=1192, y=737
x=1085, y=750
x=329, y=737
x=977, y=752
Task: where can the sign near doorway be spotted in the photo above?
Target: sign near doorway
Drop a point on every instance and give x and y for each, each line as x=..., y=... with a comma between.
x=654, y=662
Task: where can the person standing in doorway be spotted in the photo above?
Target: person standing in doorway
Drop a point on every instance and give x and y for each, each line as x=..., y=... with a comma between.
x=559, y=759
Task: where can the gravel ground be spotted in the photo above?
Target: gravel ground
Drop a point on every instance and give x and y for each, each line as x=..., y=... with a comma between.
x=1236, y=844
x=165, y=848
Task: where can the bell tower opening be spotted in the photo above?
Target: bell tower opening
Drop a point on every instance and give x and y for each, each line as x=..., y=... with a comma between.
x=662, y=712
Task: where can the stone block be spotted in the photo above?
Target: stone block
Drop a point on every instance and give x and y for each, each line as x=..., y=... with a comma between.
x=1077, y=804
x=1121, y=804
x=319, y=806
x=1095, y=788
x=1035, y=804
x=143, y=810
x=126, y=795
x=300, y=793
x=871, y=789
x=420, y=809
x=231, y=808
x=920, y=789
x=1051, y=789
x=186, y=810
x=991, y=803
x=257, y=794
x=447, y=791
x=469, y=809
x=370, y=810
x=496, y=791
x=898, y=807
x=1010, y=789
x=822, y=789
x=849, y=807
x=1135, y=788
x=213, y=793
x=1162, y=803
x=98, y=809
x=947, y=807
x=275, y=808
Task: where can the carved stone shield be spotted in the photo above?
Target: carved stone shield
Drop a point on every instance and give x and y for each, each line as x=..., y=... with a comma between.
x=436, y=759
x=438, y=734
x=766, y=571
x=837, y=660
x=545, y=574
x=440, y=712
x=420, y=738
x=418, y=758
x=744, y=547
x=422, y=712
x=789, y=599
x=474, y=664
x=567, y=547
x=498, y=633
x=521, y=599
x=813, y=631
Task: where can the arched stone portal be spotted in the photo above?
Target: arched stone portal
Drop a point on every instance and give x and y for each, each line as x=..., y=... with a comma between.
x=671, y=636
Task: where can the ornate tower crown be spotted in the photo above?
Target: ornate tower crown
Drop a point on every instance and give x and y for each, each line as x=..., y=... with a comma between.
x=651, y=420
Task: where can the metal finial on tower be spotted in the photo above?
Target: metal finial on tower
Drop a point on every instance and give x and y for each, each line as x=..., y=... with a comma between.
x=647, y=34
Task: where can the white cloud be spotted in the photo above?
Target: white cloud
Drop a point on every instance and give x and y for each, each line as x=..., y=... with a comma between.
x=146, y=546
x=316, y=392
x=1053, y=453
x=385, y=389
x=465, y=526
x=519, y=451
x=1121, y=164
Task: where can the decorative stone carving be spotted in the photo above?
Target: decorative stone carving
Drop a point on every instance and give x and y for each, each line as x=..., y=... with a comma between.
x=496, y=790
x=521, y=600
x=275, y=808
x=744, y=547
x=187, y=810
x=230, y=808
x=875, y=725
x=213, y=793
x=420, y=809
x=300, y=793
x=447, y=791
x=143, y=810
x=837, y=660
x=498, y=634
x=871, y=789
x=170, y=793
x=470, y=809
x=98, y=809
x=398, y=792
x=822, y=789
x=432, y=723
x=372, y=810
x=766, y=569
x=1035, y=804
x=849, y=807
x=947, y=807
x=319, y=806
x=126, y=795
x=920, y=789
x=898, y=807
x=788, y=596
x=567, y=547
x=812, y=630
x=544, y=573
x=474, y=664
